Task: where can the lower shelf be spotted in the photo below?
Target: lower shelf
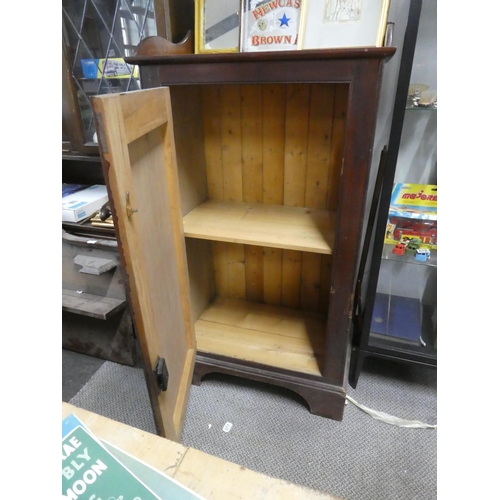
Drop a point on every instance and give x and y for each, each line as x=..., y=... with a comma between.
x=276, y=336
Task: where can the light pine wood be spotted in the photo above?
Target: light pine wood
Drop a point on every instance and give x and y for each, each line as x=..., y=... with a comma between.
x=231, y=143
x=191, y=161
x=256, y=135
x=291, y=268
x=276, y=226
x=219, y=250
x=272, y=335
x=296, y=134
x=201, y=274
x=212, y=127
x=251, y=150
x=236, y=270
x=254, y=273
x=211, y=477
x=272, y=271
x=154, y=254
x=141, y=113
x=274, y=109
x=262, y=274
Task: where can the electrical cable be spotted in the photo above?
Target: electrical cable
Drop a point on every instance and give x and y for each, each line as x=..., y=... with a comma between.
x=390, y=419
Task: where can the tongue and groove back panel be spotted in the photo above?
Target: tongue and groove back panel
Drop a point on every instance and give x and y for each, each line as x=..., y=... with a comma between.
x=276, y=144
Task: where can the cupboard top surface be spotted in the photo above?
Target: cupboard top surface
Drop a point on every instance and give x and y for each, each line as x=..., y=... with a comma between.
x=148, y=58
x=288, y=66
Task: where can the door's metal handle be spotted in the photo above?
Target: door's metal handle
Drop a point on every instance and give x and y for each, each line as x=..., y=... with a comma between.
x=128, y=206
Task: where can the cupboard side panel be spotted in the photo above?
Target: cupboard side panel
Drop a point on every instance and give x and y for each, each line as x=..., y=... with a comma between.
x=201, y=274
x=189, y=141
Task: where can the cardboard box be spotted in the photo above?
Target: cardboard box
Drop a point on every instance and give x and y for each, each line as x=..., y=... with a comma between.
x=413, y=214
x=113, y=67
x=82, y=204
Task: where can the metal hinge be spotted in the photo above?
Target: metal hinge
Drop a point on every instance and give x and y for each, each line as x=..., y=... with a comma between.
x=161, y=374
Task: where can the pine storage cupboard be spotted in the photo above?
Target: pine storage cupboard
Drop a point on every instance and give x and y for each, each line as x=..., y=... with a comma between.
x=238, y=185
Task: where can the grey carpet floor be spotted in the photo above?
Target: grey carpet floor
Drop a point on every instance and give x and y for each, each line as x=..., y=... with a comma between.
x=274, y=433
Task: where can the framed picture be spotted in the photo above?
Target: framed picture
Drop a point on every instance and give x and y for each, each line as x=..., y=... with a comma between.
x=269, y=25
x=342, y=23
x=217, y=26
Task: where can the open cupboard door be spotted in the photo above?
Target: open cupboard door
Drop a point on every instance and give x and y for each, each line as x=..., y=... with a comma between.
x=136, y=143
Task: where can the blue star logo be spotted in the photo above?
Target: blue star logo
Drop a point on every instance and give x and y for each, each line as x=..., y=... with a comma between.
x=284, y=20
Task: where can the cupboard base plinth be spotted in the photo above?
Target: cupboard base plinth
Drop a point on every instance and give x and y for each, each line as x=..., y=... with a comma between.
x=324, y=400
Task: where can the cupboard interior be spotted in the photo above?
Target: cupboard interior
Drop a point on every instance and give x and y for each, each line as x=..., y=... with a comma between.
x=259, y=173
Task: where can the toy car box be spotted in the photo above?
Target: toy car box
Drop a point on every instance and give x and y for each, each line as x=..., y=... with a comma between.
x=413, y=214
x=81, y=204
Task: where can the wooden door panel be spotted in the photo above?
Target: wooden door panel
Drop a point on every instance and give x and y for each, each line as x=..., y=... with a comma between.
x=136, y=140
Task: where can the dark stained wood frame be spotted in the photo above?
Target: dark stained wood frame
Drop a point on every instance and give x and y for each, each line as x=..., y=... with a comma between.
x=361, y=69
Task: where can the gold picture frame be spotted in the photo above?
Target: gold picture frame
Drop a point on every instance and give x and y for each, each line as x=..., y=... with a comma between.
x=217, y=26
x=328, y=24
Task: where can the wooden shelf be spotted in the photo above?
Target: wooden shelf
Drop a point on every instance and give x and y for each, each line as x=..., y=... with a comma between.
x=276, y=226
x=276, y=336
x=87, y=304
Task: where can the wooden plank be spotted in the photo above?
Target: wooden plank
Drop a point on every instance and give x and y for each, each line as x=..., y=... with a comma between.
x=264, y=225
x=236, y=270
x=291, y=276
x=219, y=250
x=212, y=127
x=211, y=477
x=154, y=254
x=142, y=112
x=272, y=275
x=87, y=304
x=201, y=274
x=274, y=108
x=272, y=335
x=192, y=171
x=166, y=286
x=231, y=143
x=251, y=142
x=319, y=145
x=297, y=123
x=254, y=273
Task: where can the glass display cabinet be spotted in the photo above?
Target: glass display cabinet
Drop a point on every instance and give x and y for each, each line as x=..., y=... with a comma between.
x=397, y=319
x=97, y=36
